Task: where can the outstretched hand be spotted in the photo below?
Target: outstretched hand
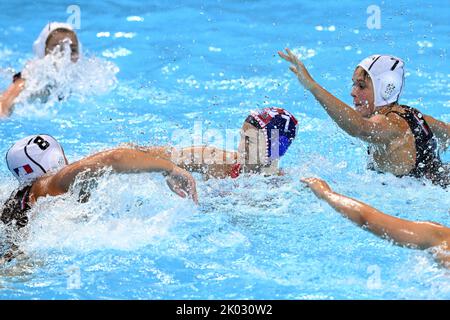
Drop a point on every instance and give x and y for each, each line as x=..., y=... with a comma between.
x=318, y=186
x=182, y=183
x=298, y=68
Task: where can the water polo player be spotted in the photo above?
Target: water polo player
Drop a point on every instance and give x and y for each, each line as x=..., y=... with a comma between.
x=53, y=36
x=401, y=139
x=265, y=137
x=40, y=165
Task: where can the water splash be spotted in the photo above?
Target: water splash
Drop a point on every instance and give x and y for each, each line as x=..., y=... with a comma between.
x=55, y=78
x=133, y=215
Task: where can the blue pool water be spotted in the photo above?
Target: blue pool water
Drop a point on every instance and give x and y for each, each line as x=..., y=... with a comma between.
x=151, y=70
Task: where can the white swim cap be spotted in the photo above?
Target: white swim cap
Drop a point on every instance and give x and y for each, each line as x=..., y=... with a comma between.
x=387, y=74
x=39, y=43
x=33, y=156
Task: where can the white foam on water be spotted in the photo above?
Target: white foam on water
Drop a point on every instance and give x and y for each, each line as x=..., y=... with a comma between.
x=56, y=77
x=124, y=212
x=304, y=53
x=128, y=35
x=103, y=34
x=135, y=18
x=115, y=53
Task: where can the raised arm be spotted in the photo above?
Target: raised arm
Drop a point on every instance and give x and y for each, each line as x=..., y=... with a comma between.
x=121, y=160
x=378, y=129
x=441, y=130
x=421, y=235
x=7, y=98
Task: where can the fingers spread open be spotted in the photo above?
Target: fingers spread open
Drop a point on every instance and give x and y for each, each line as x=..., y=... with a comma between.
x=289, y=52
x=282, y=55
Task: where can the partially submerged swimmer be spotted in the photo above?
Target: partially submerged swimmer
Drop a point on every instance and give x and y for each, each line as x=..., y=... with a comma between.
x=401, y=139
x=40, y=165
x=265, y=137
x=418, y=235
x=54, y=36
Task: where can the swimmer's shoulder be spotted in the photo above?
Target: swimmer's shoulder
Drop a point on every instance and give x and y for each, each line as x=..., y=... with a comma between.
x=392, y=115
x=46, y=185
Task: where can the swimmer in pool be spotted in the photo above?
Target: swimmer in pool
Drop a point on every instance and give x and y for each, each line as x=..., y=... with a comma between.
x=402, y=140
x=52, y=37
x=266, y=135
x=40, y=165
x=418, y=235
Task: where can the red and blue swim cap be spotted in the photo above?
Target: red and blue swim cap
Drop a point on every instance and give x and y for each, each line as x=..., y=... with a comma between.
x=280, y=129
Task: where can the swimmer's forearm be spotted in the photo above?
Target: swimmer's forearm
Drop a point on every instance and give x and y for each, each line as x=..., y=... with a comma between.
x=121, y=160
x=3, y=109
x=124, y=160
x=130, y=160
x=345, y=117
x=348, y=207
x=6, y=103
x=8, y=97
x=403, y=232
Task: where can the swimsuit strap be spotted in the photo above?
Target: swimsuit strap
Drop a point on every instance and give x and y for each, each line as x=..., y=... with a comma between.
x=426, y=145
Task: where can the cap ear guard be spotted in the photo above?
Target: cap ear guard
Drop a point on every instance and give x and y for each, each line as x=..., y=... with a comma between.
x=390, y=85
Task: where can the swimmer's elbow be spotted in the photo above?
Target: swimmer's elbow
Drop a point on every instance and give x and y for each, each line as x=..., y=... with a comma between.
x=356, y=133
x=126, y=160
x=118, y=159
x=378, y=130
x=114, y=157
x=439, y=234
x=363, y=215
x=360, y=130
x=373, y=135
